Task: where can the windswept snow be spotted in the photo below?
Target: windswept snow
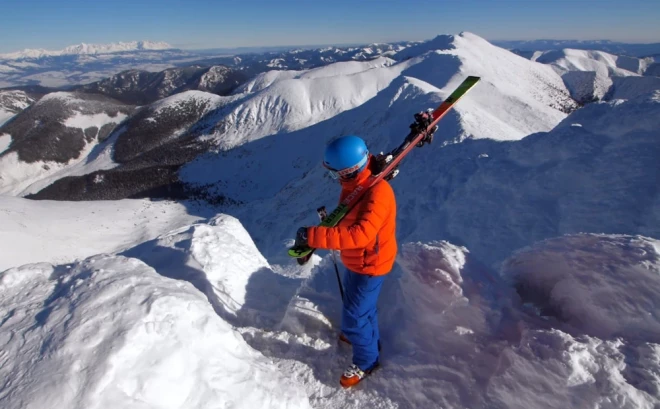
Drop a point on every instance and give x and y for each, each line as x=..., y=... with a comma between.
x=112, y=332
x=198, y=318
x=61, y=232
x=603, y=286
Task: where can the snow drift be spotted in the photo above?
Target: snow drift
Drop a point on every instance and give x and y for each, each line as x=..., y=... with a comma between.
x=604, y=286
x=111, y=332
x=198, y=318
x=62, y=232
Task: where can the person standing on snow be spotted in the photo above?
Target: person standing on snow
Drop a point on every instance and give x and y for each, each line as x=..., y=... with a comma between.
x=367, y=241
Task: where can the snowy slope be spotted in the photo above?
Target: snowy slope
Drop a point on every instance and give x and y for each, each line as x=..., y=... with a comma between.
x=61, y=232
x=288, y=101
x=198, y=318
x=12, y=103
x=589, y=75
x=597, y=171
x=587, y=60
x=61, y=130
x=112, y=332
x=516, y=97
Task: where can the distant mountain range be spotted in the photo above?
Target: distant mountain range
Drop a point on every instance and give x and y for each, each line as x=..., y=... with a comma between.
x=85, y=64
x=85, y=49
x=628, y=49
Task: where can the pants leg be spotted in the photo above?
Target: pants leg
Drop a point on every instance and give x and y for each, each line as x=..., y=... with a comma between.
x=360, y=317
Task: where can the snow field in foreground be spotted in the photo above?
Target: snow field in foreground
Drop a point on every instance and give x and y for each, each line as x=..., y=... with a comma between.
x=197, y=318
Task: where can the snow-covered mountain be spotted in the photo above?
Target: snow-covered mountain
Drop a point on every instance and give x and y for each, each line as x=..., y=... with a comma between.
x=596, y=75
x=143, y=157
x=58, y=132
x=527, y=276
x=299, y=59
x=11, y=104
x=589, y=74
x=612, y=47
x=63, y=71
x=83, y=49
x=75, y=66
x=375, y=98
x=142, y=87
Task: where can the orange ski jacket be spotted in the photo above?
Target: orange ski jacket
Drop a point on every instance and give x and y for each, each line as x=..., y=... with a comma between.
x=366, y=236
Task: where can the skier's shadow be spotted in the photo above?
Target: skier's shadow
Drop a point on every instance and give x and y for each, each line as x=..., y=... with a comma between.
x=266, y=294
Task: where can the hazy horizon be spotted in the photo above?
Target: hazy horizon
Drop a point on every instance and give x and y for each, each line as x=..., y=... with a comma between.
x=207, y=24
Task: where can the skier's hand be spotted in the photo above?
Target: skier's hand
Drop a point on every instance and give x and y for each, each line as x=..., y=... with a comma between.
x=301, y=237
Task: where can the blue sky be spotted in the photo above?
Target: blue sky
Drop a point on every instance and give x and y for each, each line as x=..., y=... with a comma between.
x=54, y=24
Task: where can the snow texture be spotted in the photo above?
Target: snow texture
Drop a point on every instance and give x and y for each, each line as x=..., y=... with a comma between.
x=112, y=332
x=198, y=318
x=603, y=286
x=61, y=232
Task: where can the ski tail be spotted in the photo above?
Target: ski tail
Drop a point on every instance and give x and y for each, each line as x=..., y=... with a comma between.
x=340, y=211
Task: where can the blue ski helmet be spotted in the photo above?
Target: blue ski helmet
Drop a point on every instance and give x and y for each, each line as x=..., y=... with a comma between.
x=346, y=156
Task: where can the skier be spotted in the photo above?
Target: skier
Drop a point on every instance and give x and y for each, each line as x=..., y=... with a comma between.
x=366, y=239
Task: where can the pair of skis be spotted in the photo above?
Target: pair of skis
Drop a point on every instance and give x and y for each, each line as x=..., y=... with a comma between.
x=416, y=137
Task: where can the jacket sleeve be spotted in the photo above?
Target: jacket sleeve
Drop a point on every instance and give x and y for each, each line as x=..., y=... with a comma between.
x=375, y=207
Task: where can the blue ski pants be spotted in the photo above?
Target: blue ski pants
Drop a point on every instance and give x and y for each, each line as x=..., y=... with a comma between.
x=359, y=320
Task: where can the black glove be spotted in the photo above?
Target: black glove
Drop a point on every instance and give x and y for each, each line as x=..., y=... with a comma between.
x=301, y=237
x=301, y=240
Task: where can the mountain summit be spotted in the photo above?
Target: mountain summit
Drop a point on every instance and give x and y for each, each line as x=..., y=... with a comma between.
x=83, y=48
